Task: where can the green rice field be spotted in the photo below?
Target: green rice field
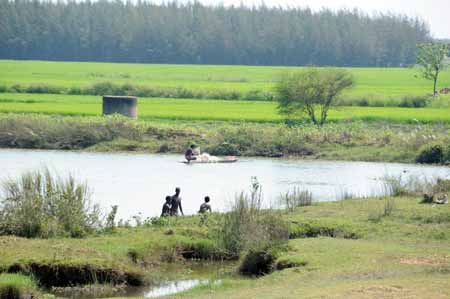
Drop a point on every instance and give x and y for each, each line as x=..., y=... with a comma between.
x=191, y=109
x=388, y=82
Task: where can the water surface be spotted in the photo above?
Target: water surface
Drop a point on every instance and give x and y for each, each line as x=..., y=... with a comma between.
x=138, y=183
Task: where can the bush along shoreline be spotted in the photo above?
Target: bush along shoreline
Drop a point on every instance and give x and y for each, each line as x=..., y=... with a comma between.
x=357, y=141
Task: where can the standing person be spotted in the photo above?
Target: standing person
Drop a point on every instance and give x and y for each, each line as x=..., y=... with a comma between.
x=175, y=203
x=205, y=207
x=166, y=207
x=190, y=153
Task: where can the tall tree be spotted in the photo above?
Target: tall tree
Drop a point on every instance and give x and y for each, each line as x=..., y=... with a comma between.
x=431, y=60
x=140, y=31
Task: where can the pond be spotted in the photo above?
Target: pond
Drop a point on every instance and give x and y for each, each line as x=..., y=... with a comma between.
x=175, y=278
x=138, y=183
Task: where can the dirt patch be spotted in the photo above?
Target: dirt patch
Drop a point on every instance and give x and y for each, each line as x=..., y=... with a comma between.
x=385, y=292
x=418, y=261
x=431, y=260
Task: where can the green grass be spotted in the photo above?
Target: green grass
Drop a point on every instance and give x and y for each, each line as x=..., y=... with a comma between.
x=403, y=255
x=378, y=81
x=214, y=110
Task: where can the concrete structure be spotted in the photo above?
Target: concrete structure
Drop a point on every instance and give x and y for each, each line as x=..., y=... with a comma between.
x=124, y=105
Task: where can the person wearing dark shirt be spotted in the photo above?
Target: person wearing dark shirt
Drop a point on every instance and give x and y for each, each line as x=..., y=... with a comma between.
x=205, y=207
x=175, y=203
x=190, y=154
x=166, y=207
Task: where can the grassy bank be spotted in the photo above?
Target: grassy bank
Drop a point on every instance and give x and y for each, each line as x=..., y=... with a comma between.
x=210, y=110
x=370, y=254
x=344, y=141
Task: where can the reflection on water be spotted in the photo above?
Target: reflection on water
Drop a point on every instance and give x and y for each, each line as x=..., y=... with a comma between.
x=140, y=182
x=174, y=287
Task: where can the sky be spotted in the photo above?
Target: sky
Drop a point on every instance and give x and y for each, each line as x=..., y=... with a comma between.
x=435, y=12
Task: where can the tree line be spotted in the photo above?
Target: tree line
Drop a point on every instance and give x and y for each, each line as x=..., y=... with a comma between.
x=197, y=34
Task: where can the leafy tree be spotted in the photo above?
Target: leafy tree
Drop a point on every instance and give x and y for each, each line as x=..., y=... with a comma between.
x=311, y=92
x=431, y=59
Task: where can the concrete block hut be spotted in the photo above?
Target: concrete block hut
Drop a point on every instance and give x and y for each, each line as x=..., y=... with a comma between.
x=123, y=105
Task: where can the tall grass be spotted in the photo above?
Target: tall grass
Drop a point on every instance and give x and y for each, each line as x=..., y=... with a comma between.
x=63, y=133
x=429, y=189
x=395, y=186
x=354, y=140
x=296, y=198
x=39, y=204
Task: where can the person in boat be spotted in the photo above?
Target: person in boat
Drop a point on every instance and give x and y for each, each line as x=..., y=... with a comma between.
x=166, y=207
x=175, y=203
x=205, y=207
x=197, y=152
x=191, y=153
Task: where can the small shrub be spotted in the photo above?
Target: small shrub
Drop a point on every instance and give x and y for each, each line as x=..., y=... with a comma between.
x=225, y=149
x=102, y=88
x=258, y=263
x=258, y=95
x=44, y=88
x=75, y=90
x=159, y=221
x=41, y=205
x=431, y=154
x=414, y=101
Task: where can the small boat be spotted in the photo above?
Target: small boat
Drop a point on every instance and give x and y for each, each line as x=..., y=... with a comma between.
x=227, y=159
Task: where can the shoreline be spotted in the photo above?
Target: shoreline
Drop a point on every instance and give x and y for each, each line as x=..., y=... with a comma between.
x=345, y=232
x=245, y=158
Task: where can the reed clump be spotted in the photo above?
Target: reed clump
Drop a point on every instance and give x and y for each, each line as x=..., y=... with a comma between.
x=296, y=198
x=40, y=204
x=253, y=233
